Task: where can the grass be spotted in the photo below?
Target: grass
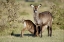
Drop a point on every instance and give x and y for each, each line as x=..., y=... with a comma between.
x=26, y=12
x=58, y=36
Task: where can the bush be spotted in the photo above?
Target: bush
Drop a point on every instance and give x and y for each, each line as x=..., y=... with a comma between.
x=8, y=14
x=62, y=27
x=24, y=13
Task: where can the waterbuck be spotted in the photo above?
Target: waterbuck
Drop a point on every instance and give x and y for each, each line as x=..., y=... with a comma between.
x=30, y=26
x=43, y=20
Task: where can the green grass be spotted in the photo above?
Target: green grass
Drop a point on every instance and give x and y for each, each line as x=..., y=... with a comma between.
x=26, y=12
x=58, y=36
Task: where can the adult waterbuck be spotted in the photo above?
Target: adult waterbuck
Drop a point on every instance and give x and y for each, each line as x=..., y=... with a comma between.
x=42, y=20
x=30, y=26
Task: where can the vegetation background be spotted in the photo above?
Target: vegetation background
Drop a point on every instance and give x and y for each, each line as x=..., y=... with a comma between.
x=13, y=11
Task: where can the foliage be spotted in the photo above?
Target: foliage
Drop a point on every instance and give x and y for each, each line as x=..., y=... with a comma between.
x=58, y=15
x=8, y=14
x=12, y=11
x=24, y=13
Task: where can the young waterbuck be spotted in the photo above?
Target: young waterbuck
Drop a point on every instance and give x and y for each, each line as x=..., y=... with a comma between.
x=42, y=20
x=30, y=26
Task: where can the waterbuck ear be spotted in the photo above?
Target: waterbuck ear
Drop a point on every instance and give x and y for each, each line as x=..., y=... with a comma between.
x=39, y=5
x=31, y=5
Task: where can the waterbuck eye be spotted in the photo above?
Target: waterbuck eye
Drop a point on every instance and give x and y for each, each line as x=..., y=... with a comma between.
x=36, y=7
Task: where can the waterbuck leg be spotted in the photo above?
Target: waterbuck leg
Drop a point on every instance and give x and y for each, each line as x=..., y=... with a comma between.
x=22, y=32
x=48, y=30
x=41, y=30
x=37, y=30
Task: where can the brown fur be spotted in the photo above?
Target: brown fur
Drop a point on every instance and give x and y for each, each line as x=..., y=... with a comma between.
x=47, y=17
x=42, y=19
x=30, y=26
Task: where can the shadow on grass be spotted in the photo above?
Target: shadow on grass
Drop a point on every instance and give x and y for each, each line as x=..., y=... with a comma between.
x=29, y=35
x=18, y=35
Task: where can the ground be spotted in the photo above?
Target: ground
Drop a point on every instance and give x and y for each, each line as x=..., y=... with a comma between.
x=58, y=36
x=26, y=12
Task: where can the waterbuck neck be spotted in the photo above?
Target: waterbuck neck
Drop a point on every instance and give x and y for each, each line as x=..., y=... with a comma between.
x=36, y=12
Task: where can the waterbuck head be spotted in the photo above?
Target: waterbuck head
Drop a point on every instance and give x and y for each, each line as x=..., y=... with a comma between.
x=35, y=11
x=35, y=8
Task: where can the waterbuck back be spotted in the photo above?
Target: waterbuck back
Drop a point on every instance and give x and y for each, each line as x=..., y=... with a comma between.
x=45, y=18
